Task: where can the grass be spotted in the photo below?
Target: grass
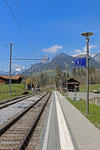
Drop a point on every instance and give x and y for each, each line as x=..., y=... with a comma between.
x=91, y=87
x=94, y=111
x=17, y=90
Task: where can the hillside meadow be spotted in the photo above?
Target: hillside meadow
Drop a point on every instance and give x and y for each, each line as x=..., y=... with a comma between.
x=91, y=87
x=17, y=90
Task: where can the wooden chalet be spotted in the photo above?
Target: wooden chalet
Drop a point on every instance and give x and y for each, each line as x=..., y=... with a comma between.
x=73, y=85
x=14, y=79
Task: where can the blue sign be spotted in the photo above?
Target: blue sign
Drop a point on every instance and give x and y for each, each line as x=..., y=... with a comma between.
x=80, y=62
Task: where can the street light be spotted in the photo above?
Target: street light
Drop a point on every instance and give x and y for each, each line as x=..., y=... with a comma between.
x=87, y=34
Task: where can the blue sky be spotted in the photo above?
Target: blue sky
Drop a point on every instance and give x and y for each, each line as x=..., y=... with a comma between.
x=56, y=26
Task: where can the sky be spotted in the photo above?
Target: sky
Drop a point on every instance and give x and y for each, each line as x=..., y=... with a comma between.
x=46, y=27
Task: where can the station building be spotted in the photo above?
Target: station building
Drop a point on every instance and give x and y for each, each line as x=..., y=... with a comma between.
x=72, y=85
x=14, y=79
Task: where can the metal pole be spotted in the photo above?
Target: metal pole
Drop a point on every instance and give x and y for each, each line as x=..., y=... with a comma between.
x=66, y=86
x=31, y=77
x=67, y=81
x=87, y=34
x=10, y=69
x=87, y=45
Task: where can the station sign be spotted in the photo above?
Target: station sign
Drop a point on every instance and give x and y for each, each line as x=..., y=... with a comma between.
x=80, y=61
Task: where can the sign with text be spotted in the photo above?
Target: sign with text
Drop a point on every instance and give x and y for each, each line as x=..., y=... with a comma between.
x=80, y=61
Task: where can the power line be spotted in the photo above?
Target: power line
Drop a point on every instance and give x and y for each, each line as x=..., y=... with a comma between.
x=27, y=59
x=20, y=27
x=3, y=59
x=20, y=8
x=4, y=47
x=15, y=52
x=5, y=50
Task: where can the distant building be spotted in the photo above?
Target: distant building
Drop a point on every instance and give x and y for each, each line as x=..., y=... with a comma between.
x=14, y=79
x=73, y=85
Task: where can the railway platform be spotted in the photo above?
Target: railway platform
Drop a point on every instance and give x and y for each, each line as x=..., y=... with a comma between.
x=67, y=129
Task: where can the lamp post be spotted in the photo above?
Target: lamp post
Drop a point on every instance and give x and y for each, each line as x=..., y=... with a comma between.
x=87, y=34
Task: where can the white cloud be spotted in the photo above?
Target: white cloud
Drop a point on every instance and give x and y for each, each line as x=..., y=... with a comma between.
x=84, y=51
x=52, y=49
x=79, y=54
x=90, y=47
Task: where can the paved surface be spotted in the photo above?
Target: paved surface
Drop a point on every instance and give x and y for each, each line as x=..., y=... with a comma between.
x=11, y=110
x=81, y=95
x=51, y=136
x=68, y=129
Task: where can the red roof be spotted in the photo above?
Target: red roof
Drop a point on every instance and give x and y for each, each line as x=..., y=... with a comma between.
x=12, y=77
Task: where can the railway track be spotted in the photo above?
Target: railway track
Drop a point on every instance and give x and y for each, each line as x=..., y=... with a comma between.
x=15, y=100
x=16, y=134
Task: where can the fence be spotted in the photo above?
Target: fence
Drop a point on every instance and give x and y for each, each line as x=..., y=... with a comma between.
x=95, y=100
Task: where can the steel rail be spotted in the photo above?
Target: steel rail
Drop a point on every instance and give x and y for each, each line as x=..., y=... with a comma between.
x=6, y=127
x=32, y=128
x=9, y=100
x=13, y=101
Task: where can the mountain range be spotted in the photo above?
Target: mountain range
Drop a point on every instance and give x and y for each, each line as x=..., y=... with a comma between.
x=16, y=71
x=97, y=57
x=61, y=59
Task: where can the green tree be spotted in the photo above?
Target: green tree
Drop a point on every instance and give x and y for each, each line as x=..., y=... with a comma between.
x=74, y=73
x=64, y=78
x=58, y=76
x=42, y=79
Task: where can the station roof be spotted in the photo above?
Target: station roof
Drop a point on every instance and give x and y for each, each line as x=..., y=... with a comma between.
x=73, y=81
x=12, y=77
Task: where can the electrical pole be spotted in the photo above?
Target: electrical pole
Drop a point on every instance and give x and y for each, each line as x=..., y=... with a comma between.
x=31, y=77
x=10, y=69
x=87, y=34
x=87, y=67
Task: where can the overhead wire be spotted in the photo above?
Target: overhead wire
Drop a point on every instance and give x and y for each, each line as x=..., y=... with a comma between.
x=25, y=19
x=14, y=47
x=28, y=41
x=16, y=52
x=3, y=53
x=3, y=59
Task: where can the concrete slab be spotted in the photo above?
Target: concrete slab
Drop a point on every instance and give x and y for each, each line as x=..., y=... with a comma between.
x=56, y=136
x=50, y=139
x=82, y=95
x=84, y=134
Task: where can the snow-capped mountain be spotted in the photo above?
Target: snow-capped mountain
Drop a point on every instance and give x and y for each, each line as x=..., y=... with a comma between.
x=61, y=59
x=15, y=71
x=97, y=57
x=18, y=70
x=46, y=59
